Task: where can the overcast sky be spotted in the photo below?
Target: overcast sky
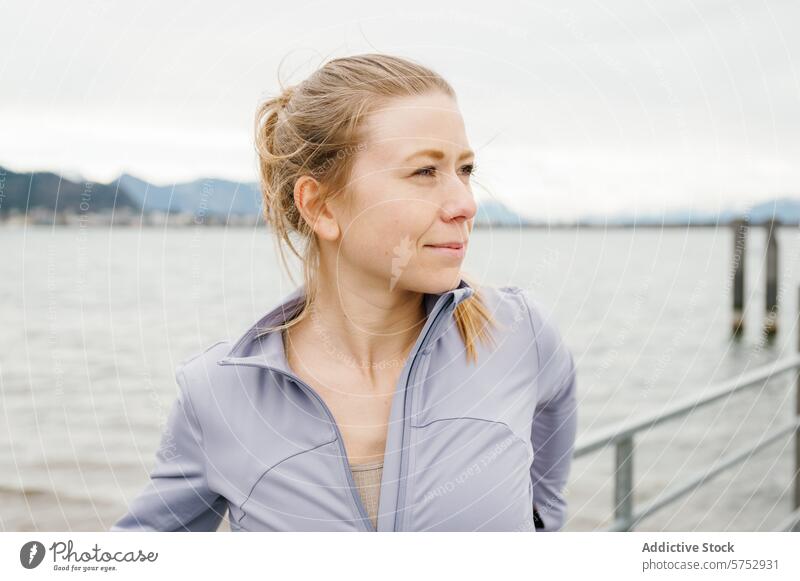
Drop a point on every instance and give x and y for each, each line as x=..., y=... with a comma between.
x=574, y=108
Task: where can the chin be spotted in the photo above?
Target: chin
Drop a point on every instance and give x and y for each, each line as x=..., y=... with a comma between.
x=434, y=282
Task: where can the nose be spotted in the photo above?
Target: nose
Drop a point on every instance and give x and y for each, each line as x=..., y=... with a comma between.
x=460, y=204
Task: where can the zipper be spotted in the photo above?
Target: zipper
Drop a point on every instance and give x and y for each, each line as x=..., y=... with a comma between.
x=348, y=468
x=403, y=485
x=365, y=520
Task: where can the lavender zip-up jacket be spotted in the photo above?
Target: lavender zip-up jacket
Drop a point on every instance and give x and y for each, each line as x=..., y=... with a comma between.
x=470, y=447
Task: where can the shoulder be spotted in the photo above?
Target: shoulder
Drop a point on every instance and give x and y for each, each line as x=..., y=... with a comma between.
x=196, y=373
x=203, y=359
x=519, y=305
x=506, y=305
x=555, y=361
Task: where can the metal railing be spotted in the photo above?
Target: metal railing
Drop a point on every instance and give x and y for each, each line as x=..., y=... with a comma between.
x=622, y=437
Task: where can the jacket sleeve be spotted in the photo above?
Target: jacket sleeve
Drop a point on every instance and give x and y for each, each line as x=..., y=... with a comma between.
x=177, y=497
x=554, y=420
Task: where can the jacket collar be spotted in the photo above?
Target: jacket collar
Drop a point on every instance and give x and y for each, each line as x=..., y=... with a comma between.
x=267, y=350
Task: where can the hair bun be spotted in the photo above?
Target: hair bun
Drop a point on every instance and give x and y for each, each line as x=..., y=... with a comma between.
x=285, y=96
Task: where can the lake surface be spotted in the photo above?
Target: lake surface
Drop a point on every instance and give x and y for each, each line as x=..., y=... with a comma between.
x=94, y=321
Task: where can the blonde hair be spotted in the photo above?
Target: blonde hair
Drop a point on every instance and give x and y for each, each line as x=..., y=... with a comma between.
x=312, y=128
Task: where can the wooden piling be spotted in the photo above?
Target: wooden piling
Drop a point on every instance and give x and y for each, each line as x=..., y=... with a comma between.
x=771, y=321
x=739, y=247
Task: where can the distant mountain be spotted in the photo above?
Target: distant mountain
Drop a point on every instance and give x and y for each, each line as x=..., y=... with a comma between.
x=25, y=191
x=221, y=197
x=494, y=213
x=786, y=209
x=208, y=195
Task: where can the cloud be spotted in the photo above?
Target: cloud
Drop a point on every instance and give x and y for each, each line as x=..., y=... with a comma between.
x=573, y=108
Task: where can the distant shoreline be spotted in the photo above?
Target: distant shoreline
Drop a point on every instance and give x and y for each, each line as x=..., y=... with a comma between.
x=51, y=199
x=37, y=217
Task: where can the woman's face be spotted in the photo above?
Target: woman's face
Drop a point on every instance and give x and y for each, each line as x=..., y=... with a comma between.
x=408, y=195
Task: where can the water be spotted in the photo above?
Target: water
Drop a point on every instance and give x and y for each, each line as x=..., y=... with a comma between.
x=96, y=319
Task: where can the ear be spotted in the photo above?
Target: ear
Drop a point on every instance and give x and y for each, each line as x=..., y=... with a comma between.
x=308, y=194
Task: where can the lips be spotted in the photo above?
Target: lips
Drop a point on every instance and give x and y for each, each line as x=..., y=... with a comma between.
x=448, y=249
x=455, y=245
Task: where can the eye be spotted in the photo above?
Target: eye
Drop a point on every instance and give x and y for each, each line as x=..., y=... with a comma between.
x=425, y=171
x=467, y=169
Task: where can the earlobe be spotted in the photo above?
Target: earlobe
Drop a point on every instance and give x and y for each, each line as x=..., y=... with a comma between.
x=326, y=226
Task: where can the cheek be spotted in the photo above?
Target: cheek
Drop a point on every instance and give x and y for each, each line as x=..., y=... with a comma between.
x=385, y=235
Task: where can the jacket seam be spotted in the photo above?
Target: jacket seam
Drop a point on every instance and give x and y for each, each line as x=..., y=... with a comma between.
x=564, y=381
x=182, y=383
x=181, y=378
x=498, y=422
x=278, y=463
x=533, y=328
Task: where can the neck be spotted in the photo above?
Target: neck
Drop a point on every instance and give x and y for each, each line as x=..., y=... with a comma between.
x=369, y=327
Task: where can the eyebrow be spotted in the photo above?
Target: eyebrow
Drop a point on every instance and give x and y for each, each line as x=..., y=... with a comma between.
x=438, y=154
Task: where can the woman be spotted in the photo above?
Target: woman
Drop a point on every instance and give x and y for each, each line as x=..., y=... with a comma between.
x=387, y=392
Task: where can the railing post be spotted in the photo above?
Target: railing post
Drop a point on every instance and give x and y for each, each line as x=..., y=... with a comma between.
x=623, y=483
